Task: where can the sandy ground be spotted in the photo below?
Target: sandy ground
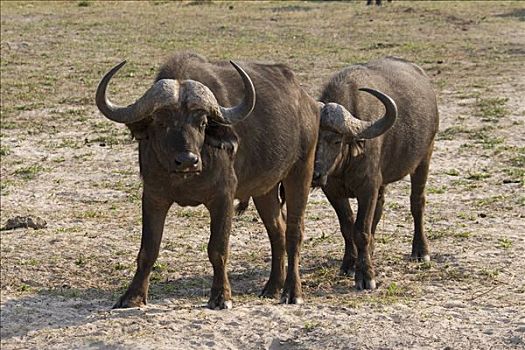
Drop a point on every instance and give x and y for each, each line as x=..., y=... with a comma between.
x=81, y=176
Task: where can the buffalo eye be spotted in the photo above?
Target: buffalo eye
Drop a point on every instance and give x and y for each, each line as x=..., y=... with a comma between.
x=203, y=121
x=337, y=142
x=199, y=116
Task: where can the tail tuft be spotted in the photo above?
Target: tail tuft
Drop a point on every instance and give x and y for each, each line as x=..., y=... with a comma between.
x=241, y=207
x=282, y=195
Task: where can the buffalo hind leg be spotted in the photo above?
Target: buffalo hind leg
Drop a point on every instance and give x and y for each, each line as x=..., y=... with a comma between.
x=418, y=181
x=153, y=216
x=297, y=189
x=346, y=224
x=377, y=216
x=269, y=208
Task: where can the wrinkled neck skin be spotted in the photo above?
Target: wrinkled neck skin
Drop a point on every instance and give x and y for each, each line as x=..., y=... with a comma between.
x=341, y=179
x=216, y=177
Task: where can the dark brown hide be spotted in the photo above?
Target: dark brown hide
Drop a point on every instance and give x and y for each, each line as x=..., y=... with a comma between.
x=362, y=168
x=274, y=144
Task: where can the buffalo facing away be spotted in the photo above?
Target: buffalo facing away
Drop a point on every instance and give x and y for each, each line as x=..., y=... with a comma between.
x=193, y=150
x=354, y=160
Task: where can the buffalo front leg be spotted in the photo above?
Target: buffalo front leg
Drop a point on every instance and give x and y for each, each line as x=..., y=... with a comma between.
x=153, y=216
x=221, y=212
x=418, y=181
x=269, y=209
x=346, y=224
x=364, y=276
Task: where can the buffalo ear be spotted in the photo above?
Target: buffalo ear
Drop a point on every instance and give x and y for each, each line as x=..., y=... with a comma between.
x=221, y=137
x=357, y=148
x=139, y=130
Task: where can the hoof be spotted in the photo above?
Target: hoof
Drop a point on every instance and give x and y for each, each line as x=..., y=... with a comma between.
x=348, y=272
x=420, y=257
x=270, y=291
x=285, y=299
x=227, y=305
x=347, y=267
x=361, y=284
x=126, y=301
x=219, y=304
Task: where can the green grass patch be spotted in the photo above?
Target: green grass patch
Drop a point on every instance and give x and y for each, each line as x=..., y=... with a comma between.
x=314, y=217
x=477, y=176
x=69, y=143
x=4, y=150
x=437, y=190
x=160, y=267
x=515, y=175
x=384, y=239
x=483, y=202
x=392, y=294
x=504, y=243
x=90, y=214
x=29, y=172
x=310, y=326
x=466, y=216
x=489, y=273
x=24, y=288
x=452, y=132
x=492, y=109
x=111, y=139
x=519, y=159
x=8, y=125
x=393, y=290
x=190, y=213
x=425, y=265
x=452, y=172
x=485, y=137
x=70, y=229
x=80, y=261
x=434, y=234
x=463, y=235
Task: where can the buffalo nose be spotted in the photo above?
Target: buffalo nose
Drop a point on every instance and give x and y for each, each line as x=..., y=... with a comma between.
x=186, y=159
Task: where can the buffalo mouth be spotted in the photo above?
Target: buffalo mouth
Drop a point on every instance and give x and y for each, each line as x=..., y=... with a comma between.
x=185, y=171
x=184, y=175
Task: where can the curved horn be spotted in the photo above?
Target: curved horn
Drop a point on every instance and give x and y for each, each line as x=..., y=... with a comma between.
x=336, y=117
x=164, y=92
x=379, y=127
x=232, y=115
